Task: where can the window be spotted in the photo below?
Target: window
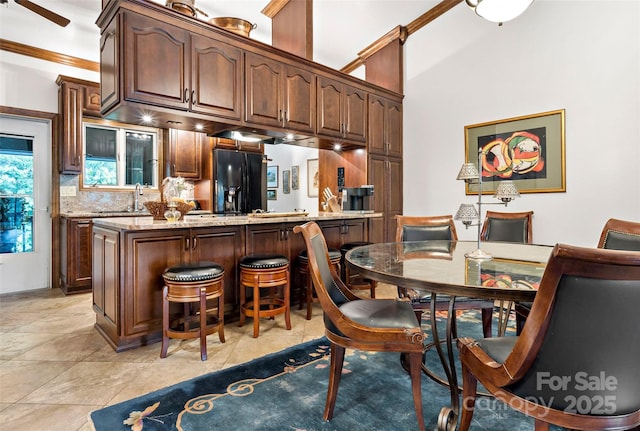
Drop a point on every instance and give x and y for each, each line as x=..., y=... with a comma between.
x=118, y=156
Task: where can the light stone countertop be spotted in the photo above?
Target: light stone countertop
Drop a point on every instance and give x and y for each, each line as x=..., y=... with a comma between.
x=209, y=220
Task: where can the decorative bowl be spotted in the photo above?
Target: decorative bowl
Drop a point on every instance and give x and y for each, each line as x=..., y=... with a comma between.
x=158, y=208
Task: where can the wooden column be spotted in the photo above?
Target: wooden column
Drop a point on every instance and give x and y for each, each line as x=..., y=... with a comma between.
x=383, y=60
x=292, y=26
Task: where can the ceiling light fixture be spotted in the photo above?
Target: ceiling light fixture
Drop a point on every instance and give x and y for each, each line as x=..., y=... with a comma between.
x=499, y=10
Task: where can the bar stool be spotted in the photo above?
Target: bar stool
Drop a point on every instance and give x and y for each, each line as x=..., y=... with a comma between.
x=264, y=271
x=196, y=282
x=355, y=281
x=335, y=257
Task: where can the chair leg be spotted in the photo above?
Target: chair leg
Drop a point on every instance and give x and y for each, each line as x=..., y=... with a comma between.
x=256, y=307
x=165, y=322
x=287, y=303
x=335, y=372
x=415, y=370
x=221, y=314
x=243, y=300
x=203, y=324
x=469, y=386
x=540, y=426
x=487, y=317
x=374, y=284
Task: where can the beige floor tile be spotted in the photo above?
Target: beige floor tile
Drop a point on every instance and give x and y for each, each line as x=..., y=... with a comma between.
x=20, y=378
x=14, y=344
x=49, y=417
x=73, y=346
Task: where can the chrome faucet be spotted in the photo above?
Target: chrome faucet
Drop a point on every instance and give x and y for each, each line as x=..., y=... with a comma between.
x=136, y=203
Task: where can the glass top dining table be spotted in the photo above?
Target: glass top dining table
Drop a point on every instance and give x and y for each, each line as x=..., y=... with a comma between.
x=513, y=273
x=440, y=270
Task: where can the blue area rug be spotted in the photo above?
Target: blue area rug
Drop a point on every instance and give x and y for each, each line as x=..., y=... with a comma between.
x=287, y=390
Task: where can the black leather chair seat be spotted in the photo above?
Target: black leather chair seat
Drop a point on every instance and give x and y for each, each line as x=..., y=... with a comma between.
x=377, y=313
x=263, y=261
x=199, y=271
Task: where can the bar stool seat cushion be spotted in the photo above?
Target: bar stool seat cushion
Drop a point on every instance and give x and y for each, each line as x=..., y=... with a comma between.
x=263, y=261
x=199, y=271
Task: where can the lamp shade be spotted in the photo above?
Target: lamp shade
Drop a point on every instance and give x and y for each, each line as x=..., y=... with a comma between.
x=466, y=213
x=499, y=10
x=468, y=172
x=506, y=191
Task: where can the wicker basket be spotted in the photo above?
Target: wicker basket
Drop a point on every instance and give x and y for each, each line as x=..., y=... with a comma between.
x=158, y=208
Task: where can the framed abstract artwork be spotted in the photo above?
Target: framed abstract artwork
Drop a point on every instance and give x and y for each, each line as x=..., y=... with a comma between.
x=313, y=178
x=528, y=150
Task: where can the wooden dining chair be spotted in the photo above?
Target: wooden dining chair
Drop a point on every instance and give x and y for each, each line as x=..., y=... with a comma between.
x=575, y=365
x=616, y=235
x=430, y=228
x=381, y=325
x=508, y=227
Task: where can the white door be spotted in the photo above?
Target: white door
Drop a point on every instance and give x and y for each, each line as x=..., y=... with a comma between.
x=25, y=196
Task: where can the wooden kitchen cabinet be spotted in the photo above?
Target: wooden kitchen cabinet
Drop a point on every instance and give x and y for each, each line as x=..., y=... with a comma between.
x=274, y=238
x=339, y=232
x=279, y=95
x=385, y=173
x=183, y=156
x=167, y=66
x=76, y=98
x=75, y=255
x=137, y=289
x=341, y=110
x=385, y=127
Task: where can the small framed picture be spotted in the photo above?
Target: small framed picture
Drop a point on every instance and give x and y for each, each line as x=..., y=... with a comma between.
x=295, y=177
x=313, y=178
x=286, y=185
x=272, y=195
x=272, y=176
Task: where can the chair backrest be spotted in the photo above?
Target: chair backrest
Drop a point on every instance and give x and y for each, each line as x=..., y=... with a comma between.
x=581, y=343
x=411, y=228
x=330, y=289
x=508, y=227
x=620, y=235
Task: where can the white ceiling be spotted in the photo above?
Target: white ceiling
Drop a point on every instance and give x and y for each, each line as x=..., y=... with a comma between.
x=342, y=28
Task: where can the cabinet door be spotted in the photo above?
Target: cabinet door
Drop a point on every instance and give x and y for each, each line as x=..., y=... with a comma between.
x=79, y=240
x=185, y=154
x=91, y=104
x=149, y=253
x=71, y=99
x=329, y=107
x=299, y=99
x=263, y=100
x=376, y=132
x=155, y=62
x=267, y=238
x=225, y=246
x=355, y=114
x=216, y=79
x=109, y=65
x=386, y=176
x=332, y=231
x=393, y=129
x=106, y=277
x=354, y=231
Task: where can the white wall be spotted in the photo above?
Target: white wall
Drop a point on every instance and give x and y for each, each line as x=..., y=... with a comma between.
x=285, y=156
x=581, y=56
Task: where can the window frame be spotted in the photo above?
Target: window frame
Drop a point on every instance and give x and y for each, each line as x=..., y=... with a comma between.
x=121, y=159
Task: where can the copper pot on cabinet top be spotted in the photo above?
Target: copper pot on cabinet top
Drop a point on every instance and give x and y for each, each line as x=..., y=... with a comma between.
x=235, y=25
x=187, y=7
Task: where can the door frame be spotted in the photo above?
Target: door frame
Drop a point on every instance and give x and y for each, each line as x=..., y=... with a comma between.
x=53, y=117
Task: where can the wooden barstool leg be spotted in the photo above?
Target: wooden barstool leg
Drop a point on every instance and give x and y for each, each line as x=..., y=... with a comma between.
x=221, y=314
x=309, y=295
x=256, y=306
x=243, y=300
x=203, y=323
x=287, y=305
x=165, y=322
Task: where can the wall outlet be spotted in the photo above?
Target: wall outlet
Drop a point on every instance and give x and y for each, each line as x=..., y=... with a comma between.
x=67, y=191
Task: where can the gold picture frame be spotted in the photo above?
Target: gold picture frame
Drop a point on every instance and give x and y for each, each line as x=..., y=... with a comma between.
x=528, y=150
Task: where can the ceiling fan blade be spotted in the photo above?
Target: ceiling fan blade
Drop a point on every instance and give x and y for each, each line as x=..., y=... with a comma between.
x=46, y=13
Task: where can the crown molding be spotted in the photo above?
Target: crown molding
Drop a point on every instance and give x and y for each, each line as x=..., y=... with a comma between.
x=44, y=54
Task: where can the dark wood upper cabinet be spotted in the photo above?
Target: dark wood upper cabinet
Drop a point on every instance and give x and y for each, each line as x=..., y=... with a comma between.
x=385, y=127
x=279, y=95
x=341, y=110
x=76, y=98
x=184, y=154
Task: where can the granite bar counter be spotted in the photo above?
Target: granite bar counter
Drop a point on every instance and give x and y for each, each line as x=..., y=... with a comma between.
x=129, y=255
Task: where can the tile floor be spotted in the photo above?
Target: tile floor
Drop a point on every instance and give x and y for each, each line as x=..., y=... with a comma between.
x=55, y=368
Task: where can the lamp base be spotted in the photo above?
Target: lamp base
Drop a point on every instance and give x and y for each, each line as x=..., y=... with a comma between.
x=478, y=255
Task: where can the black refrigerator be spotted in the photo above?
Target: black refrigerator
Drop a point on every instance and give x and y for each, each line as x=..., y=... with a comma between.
x=239, y=182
